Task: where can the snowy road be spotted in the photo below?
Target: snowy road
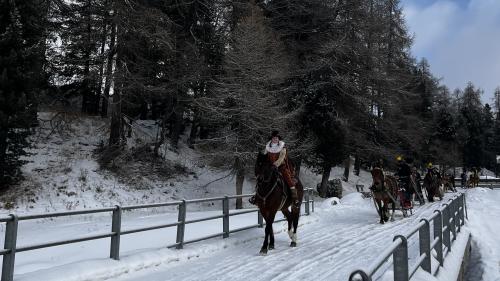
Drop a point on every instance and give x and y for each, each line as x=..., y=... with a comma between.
x=343, y=238
x=333, y=241
x=484, y=224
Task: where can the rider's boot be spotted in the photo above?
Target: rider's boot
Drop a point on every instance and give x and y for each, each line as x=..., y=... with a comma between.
x=251, y=200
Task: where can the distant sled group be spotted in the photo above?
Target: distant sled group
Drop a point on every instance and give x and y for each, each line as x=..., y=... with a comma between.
x=399, y=191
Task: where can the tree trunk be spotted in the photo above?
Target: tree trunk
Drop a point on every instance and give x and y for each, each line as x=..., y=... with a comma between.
x=324, y=179
x=87, y=93
x=194, y=131
x=116, y=128
x=357, y=165
x=102, y=58
x=109, y=71
x=347, y=166
x=240, y=177
x=177, y=125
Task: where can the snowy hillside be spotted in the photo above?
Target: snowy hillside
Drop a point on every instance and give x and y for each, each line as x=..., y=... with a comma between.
x=63, y=173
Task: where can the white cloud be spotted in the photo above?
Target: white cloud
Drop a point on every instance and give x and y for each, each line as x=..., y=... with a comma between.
x=462, y=43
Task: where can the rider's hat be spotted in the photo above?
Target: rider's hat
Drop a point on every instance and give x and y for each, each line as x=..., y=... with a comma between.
x=275, y=133
x=429, y=165
x=399, y=158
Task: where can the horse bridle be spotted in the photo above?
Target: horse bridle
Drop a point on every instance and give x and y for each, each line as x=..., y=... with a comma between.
x=383, y=178
x=264, y=198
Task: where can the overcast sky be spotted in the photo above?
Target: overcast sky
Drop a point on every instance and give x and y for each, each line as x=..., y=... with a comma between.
x=460, y=38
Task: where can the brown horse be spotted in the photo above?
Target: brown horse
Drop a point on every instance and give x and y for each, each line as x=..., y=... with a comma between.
x=384, y=190
x=447, y=182
x=432, y=183
x=473, y=180
x=273, y=195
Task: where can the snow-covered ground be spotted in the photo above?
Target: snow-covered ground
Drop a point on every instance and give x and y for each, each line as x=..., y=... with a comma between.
x=333, y=241
x=484, y=224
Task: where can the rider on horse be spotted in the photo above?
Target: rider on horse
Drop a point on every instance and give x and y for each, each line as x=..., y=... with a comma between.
x=433, y=171
x=277, y=154
x=404, y=173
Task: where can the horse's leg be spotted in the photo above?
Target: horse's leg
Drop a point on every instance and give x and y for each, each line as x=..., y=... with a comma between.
x=268, y=231
x=381, y=211
x=289, y=219
x=393, y=210
x=271, y=232
x=295, y=221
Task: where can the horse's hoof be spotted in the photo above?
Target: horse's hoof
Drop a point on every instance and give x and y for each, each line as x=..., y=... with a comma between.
x=381, y=222
x=293, y=244
x=263, y=252
x=271, y=247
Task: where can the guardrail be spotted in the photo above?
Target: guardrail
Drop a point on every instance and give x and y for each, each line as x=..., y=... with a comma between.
x=446, y=223
x=10, y=244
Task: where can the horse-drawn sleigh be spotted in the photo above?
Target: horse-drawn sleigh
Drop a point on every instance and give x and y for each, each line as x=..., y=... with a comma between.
x=389, y=191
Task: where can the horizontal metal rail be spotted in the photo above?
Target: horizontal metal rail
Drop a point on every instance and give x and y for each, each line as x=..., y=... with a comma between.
x=204, y=219
x=142, y=229
x=64, y=214
x=243, y=228
x=203, y=238
x=64, y=242
x=240, y=196
x=11, y=231
x=154, y=205
x=414, y=229
x=204, y=200
x=244, y=212
x=419, y=262
x=386, y=254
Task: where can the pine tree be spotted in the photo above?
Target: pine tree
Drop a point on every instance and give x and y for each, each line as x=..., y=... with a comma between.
x=489, y=158
x=247, y=102
x=80, y=61
x=470, y=119
x=20, y=75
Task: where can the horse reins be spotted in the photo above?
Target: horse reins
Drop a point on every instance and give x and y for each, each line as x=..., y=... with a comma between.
x=264, y=198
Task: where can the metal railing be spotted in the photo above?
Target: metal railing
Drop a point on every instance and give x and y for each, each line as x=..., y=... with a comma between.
x=446, y=223
x=10, y=244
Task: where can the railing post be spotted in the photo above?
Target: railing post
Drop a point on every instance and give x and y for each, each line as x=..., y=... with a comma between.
x=465, y=207
x=260, y=219
x=400, y=259
x=225, y=218
x=306, y=196
x=446, y=223
x=424, y=236
x=10, y=244
x=453, y=222
x=181, y=226
x=458, y=222
x=438, y=233
x=462, y=213
x=116, y=225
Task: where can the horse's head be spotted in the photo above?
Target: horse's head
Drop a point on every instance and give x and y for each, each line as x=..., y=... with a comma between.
x=378, y=178
x=265, y=171
x=260, y=164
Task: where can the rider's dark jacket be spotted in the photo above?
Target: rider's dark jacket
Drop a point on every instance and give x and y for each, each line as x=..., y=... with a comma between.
x=404, y=172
